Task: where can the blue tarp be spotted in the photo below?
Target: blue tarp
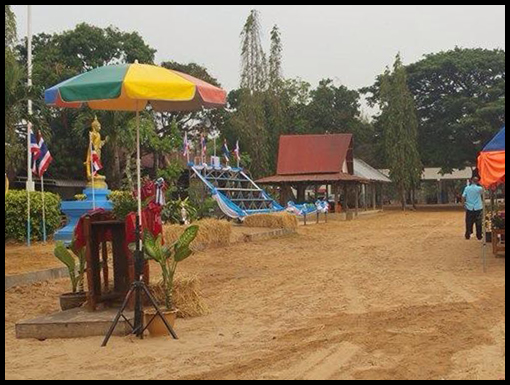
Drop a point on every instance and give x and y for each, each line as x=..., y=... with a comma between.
x=498, y=143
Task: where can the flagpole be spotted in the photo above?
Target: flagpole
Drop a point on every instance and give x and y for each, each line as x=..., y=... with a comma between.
x=202, y=140
x=92, y=174
x=30, y=182
x=238, y=155
x=45, y=235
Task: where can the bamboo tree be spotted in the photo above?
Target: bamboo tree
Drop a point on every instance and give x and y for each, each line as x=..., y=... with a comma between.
x=250, y=120
x=253, y=58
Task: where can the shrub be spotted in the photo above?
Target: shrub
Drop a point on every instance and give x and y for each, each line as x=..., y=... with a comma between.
x=16, y=215
x=124, y=203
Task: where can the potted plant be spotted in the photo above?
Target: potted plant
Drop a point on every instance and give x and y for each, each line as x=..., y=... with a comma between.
x=75, y=263
x=168, y=257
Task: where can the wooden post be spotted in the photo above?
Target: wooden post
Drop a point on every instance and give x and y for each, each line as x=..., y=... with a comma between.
x=337, y=197
x=439, y=192
x=374, y=196
x=301, y=190
x=346, y=198
x=356, y=203
x=365, y=202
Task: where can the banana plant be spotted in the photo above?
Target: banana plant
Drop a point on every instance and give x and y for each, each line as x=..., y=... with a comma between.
x=76, y=271
x=168, y=257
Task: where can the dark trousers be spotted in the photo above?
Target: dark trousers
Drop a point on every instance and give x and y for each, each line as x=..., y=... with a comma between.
x=474, y=218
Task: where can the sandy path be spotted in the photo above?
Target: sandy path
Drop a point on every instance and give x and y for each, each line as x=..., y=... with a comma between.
x=398, y=296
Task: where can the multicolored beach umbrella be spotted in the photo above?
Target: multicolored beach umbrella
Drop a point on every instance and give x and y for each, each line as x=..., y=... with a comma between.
x=131, y=87
x=492, y=162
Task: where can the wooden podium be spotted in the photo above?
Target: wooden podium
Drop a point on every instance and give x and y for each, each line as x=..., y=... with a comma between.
x=103, y=234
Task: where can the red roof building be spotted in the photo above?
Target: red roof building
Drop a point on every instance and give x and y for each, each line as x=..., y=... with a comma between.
x=315, y=159
x=306, y=161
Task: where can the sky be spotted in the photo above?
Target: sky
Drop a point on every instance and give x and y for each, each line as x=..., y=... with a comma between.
x=350, y=44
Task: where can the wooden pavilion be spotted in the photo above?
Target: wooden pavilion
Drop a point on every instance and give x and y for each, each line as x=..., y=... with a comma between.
x=313, y=161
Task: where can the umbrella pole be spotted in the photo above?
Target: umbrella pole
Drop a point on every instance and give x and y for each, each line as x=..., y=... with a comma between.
x=139, y=168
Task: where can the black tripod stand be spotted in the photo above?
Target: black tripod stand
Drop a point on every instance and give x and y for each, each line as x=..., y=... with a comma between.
x=138, y=289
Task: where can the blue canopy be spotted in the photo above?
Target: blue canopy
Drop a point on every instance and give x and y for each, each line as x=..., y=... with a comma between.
x=498, y=143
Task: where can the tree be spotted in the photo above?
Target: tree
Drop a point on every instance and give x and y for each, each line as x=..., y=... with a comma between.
x=275, y=77
x=16, y=94
x=276, y=107
x=461, y=101
x=460, y=97
x=10, y=27
x=400, y=130
x=333, y=109
x=249, y=121
x=253, y=58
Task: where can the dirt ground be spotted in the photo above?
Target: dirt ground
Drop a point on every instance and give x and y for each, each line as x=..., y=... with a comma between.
x=394, y=296
x=19, y=259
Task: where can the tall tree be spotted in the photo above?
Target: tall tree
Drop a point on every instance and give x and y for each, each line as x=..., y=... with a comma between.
x=460, y=97
x=276, y=116
x=400, y=130
x=253, y=57
x=275, y=77
x=249, y=121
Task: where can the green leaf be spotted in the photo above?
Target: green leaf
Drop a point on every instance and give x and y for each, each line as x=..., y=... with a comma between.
x=65, y=256
x=150, y=246
x=182, y=253
x=187, y=237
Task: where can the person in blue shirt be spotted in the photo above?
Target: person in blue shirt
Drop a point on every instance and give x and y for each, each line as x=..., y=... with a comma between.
x=473, y=203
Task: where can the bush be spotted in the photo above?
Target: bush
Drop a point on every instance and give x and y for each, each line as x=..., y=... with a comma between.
x=124, y=203
x=16, y=215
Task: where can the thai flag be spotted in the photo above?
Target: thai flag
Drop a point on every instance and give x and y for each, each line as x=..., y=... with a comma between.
x=44, y=160
x=237, y=151
x=185, y=147
x=96, y=162
x=35, y=151
x=204, y=146
x=226, y=151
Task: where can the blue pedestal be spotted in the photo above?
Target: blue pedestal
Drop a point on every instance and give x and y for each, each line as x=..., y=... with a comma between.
x=74, y=210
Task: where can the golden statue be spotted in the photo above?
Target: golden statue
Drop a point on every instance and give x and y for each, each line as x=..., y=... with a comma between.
x=97, y=181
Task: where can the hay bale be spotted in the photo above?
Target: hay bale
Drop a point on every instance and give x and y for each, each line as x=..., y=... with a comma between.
x=211, y=233
x=187, y=296
x=272, y=221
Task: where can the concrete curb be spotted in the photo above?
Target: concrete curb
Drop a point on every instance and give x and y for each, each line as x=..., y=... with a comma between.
x=34, y=277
